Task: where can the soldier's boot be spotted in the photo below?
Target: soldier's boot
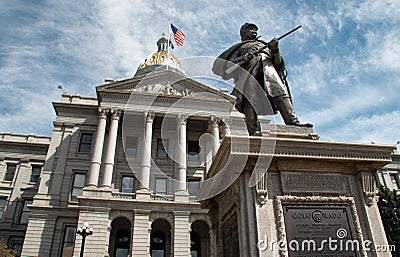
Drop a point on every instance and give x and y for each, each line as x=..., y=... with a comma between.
x=251, y=118
x=285, y=108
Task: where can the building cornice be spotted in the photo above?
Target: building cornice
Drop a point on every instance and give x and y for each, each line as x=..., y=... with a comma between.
x=373, y=156
x=75, y=108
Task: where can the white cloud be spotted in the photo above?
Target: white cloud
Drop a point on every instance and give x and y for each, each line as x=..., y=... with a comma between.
x=380, y=128
x=339, y=69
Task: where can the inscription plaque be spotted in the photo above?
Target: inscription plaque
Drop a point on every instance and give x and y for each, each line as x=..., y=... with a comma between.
x=293, y=182
x=320, y=230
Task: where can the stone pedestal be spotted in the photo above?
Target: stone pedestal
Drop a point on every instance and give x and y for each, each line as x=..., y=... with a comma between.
x=280, y=196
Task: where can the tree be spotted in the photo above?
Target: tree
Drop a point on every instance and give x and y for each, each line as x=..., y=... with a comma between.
x=5, y=251
x=389, y=207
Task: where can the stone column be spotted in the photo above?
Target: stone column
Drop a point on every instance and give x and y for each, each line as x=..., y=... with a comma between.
x=214, y=121
x=181, y=159
x=141, y=233
x=111, y=147
x=93, y=176
x=146, y=157
x=181, y=233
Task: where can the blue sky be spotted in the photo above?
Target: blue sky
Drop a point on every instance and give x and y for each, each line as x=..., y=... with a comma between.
x=344, y=63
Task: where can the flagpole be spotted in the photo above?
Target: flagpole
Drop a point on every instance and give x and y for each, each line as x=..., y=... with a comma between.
x=169, y=40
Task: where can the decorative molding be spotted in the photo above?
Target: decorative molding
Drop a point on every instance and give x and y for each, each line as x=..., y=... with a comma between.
x=27, y=148
x=261, y=189
x=280, y=221
x=162, y=89
x=116, y=113
x=312, y=149
x=368, y=186
x=214, y=120
x=103, y=112
x=74, y=108
x=149, y=116
x=182, y=118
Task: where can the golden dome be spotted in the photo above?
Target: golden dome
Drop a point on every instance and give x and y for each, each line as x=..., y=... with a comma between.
x=159, y=59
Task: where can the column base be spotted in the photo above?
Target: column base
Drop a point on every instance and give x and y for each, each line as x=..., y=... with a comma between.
x=101, y=192
x=90, y=190
x=143, y=194
x=181, y=196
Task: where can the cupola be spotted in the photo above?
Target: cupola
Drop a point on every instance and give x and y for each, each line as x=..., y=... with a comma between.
x=158, y=60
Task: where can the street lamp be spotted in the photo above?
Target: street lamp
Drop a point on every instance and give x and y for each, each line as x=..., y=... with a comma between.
x=84, y=231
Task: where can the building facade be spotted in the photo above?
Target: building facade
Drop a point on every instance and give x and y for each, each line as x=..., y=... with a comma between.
x=130, y=162
x=389, y=176
x=21, y=161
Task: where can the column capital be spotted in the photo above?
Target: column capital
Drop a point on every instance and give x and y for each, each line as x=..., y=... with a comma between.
x=149, y=116
x=214, y=120
x=182, y=118
x=115, y=113
x=103, y=112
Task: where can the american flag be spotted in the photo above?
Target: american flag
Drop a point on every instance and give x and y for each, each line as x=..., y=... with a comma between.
x=178, y=35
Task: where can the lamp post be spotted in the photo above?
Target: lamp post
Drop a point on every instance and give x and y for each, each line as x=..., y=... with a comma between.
x=84, y=231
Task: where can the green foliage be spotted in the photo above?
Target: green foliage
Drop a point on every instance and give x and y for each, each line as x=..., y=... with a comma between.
x=5, y=251
x=389, y=207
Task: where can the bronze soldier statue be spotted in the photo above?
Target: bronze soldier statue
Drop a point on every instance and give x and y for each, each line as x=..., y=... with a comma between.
x=260, y=87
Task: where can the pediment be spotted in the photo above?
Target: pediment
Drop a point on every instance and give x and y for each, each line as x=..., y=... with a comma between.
x=165, y=83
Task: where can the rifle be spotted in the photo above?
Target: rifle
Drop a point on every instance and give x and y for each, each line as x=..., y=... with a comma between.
x=241, y=60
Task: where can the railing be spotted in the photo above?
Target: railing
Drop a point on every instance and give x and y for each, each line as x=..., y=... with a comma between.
x=192, y=199
x=121, y=195
x=166, y=198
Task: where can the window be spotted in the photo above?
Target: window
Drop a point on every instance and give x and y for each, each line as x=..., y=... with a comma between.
x=68, y=241
x=161, y=186
x=85, y=144
x=127, y=184
x=11, y=168
x=193, y=186
x=3, y=203
x=23, y=219
x=193, y=150
x=395, y=181
x=131, y=146
x=78, y=184
x=162, y=147
x=35, y=175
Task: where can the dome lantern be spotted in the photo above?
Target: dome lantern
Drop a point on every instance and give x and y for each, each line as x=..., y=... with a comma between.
x=158, y=60
x=162, y=44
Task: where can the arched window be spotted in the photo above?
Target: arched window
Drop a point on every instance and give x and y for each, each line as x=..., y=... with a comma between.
x=157, y=244
x=199, y=239
x=120, y=237
x=122, y=241
x=195, y=244
x=160, y=238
